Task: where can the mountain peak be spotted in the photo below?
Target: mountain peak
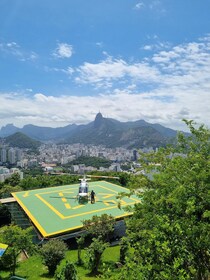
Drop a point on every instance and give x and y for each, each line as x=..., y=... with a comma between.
x=8, y=129
x=98, y=120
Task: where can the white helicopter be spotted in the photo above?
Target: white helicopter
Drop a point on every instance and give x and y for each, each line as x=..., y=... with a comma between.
x=83, y=189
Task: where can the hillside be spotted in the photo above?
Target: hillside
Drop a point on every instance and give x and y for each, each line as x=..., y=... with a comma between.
x=21, y=140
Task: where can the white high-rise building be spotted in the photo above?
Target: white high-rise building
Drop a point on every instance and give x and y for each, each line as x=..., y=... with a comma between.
x=19, y=155
x=12, y=156
x=3, y=155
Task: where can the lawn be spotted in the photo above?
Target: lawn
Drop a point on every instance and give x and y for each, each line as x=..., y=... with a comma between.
x=33, y=269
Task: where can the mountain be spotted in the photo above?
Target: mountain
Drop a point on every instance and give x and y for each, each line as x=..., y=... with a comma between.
x=112, y=133
x=38, y=132
x=9, y=129
x=104, y=131
x=21, y=140
x=47, y=133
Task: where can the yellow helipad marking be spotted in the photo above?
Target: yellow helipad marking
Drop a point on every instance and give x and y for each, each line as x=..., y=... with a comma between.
x=79, y=206
x=67, y=205
x=134, y=199
x=64, y=199
x=108, y=202
x=108, y=189
x=69, y=190
x=109, y=195
x=26, y=194
x=94, y=211
x=122, y=202
x=50, y=206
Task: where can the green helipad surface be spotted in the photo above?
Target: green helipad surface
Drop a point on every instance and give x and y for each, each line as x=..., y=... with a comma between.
x=56, y=210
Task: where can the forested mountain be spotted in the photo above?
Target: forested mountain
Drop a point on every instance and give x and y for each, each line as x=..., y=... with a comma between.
x=21, y=140
x=105, y=131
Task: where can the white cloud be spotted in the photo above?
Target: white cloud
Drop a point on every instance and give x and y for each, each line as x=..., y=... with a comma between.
x=111, y=70
x=168, y=86
x=13, y=49
x=157, y=6
x=139, y=5
x=99, y=44
x=166, y=106
x=151, y=6
x=147, y=47
x=69, y=70
x=157, y=46
x=63, y=50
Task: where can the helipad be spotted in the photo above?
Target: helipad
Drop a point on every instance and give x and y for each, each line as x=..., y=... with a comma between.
x=56, y=210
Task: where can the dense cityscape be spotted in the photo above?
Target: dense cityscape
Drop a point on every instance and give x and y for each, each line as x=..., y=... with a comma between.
x=50, y=156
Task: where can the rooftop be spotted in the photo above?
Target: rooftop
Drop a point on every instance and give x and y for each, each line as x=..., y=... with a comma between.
x=56, y=210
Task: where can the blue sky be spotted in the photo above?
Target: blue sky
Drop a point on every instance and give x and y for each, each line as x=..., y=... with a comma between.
x=64, y=61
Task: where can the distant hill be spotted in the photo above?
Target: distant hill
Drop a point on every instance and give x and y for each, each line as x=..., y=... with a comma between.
x=21, y=140
x=38, y=132
x=105, y=131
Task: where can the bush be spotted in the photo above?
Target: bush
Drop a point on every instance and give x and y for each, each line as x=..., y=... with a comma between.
x=52, y=253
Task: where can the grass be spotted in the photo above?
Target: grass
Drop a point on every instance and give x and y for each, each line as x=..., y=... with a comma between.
x=33, y=269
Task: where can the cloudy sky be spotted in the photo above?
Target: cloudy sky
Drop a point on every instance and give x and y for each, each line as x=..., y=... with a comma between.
x=63, y=61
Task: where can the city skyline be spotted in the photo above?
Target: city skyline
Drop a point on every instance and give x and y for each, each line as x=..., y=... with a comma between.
x=63, y=62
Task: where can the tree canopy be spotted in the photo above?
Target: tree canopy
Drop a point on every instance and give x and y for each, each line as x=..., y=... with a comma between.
x=52, y=253
x=18, y=239
x=170, y=230
x=100, y=226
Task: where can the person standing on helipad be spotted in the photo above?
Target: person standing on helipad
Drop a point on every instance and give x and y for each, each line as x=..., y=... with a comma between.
x=92, y=197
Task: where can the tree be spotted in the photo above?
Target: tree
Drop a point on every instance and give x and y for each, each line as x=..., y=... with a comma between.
x=68, y=272
x=170, y=230
x=13, y=180
x=100, y=226
x=123, y=250
x=52, y=253
x=94, y=253
x=18, y=240
x=6, y=190
x=80, y=243
x=5, y=216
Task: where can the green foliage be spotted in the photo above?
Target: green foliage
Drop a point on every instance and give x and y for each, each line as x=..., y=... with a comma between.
x=33, y=268
x=33, y=171
x=170, y=229
x=124, y=246
x=80, y=243
x=92, y=161
x=18, y=239
x=21, y=140
x=100, y=226
x=124, y=178
x=13, y=180
x=52, y=253
x=5, y=216
x=94, y=253
x=68, y=272
x=43, y=181
x=6, y=190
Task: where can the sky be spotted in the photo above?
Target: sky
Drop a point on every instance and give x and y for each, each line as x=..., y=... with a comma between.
x=63, y=61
